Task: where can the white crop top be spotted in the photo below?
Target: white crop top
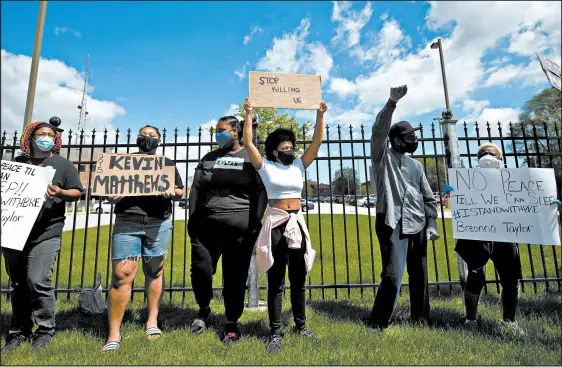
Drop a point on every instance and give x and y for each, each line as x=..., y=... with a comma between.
x=282, y=182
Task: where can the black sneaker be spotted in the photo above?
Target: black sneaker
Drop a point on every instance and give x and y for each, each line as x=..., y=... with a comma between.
x=14, y=343
x=274, y=343
x=303, y=331
x=40, y=341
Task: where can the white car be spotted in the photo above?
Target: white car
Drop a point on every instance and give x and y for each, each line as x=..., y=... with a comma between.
x=105, y=207
x=363, y=202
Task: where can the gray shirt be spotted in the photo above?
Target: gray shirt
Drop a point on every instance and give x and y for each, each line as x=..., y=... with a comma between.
x=402, y=188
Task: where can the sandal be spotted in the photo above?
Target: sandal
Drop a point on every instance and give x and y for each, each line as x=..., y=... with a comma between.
x=153, y=331
x=198, y=326
x=110, y=346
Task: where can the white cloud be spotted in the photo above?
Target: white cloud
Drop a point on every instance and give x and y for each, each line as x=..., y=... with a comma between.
x=254, y=30
x=521, y=75
x=350, y=23
x=389, y=44
x=292, y=54
x=58, y=92
x=342, y=87
x=241, y=73
x=493, y=116
x=63, y=30
x=384, y=17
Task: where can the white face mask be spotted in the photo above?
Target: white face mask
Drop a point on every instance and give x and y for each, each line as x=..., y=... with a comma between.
x=489, y=161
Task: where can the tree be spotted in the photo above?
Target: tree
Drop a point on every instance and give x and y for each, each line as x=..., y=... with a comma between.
x=345, y=182
x=542, y=112
x=433, y=167
x=270, y=119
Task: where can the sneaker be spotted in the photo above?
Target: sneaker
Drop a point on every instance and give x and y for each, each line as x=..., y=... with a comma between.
x=274, y=343
x=40, y=341
x=304, y=331
x=14, y=343
x=231, y=337
x=198, y=326
x=511, y=328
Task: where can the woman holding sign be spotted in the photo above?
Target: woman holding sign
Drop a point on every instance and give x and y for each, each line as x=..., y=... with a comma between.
x=284, y=240
x=142, y=229
x=504, y=255
x=30, y=270
x=226, y=204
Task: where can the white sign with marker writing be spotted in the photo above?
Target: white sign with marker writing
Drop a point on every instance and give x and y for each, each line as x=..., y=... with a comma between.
x=504, y=205
x=23, y=191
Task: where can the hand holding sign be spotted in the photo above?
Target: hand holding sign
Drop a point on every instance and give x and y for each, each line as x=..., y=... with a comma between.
x=248, y=106
x=169, y=194
x=323, y=108
x=53, y=191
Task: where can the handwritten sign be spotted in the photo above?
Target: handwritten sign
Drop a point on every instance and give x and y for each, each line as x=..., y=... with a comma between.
x=504, y=205
x=279, y=90
x=23, y=189
x=132, y=175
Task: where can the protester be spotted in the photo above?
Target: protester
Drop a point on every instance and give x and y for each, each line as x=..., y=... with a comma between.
x=30, y=270
x=142, y=228
x=226, y=204
x=284, y=237
x=505, y=257
x=406, y=214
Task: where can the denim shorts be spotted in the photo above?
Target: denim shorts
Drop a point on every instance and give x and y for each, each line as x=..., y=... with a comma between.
x=136, y=235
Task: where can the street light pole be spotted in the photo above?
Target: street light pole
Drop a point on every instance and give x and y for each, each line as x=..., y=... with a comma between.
x=452, y=151
x=35, y=63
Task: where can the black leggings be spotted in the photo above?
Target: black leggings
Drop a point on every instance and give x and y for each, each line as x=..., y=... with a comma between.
x=282, y=256
x=229, y=235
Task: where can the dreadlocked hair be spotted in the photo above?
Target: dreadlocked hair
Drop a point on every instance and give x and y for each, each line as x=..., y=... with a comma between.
x=27, y=136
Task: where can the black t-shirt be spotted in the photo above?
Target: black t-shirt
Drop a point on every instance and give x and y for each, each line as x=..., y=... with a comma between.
x=50, y=221
x=153, y=205
x=227, y=182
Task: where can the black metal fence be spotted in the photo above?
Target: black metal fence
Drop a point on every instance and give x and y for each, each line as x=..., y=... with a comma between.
x=348, y=257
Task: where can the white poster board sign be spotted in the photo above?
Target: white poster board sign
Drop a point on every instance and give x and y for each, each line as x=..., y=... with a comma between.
x=23, y=189
x=504, y=205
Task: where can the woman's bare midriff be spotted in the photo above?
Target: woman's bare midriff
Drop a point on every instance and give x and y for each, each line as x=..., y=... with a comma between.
x=285, y=204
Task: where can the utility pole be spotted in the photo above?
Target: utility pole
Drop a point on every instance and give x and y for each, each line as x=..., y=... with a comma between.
x=451, y=138
x=35, y=63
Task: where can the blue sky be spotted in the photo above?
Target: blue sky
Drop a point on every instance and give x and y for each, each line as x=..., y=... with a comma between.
x=183, y=64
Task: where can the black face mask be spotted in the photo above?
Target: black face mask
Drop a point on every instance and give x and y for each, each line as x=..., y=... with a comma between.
x=286, y=157
x=147, y=143
x=406, y=147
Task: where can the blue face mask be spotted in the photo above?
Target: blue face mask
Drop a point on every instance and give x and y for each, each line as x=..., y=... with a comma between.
x=222, y=139
x=45, y=144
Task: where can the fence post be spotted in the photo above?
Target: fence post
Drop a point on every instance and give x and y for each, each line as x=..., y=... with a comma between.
x=254, y=303
x=453, y=154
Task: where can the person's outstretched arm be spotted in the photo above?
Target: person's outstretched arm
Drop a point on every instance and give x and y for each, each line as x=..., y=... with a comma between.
x=381, y=127
x=253, y=152
x=312, y=150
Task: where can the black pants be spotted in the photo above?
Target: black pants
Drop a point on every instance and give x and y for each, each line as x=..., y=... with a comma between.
x=32, y=296
x=398, y=251
x=229, y=235
x=282, y=256
x=507, y=262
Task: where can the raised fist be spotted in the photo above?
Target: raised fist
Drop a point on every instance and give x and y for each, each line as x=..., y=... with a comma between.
x=396, y=93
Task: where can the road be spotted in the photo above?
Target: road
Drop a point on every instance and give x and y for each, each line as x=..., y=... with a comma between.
x=323, y=208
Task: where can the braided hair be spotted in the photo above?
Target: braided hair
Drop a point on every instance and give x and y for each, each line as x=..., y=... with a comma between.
x=27, y=136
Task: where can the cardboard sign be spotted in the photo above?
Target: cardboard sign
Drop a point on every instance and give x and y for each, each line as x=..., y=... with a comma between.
x=132, y=175
x=551, y=70
x=504, y=205
x=23, y=191
x=279, y=90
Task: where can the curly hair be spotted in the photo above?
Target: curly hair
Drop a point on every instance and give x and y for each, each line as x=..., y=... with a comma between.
x=27, y=136
x=275, y=138
x=499, y=154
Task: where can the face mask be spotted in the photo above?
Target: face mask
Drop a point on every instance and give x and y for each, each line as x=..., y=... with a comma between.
x=287, y=157
x=147, y=143
x=222, y=139
x=406, y=147
x=44, y=143
x=489, y=161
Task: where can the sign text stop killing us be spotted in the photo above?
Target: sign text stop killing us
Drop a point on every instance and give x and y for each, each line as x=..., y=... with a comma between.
x=504, y=205
x=132, y=175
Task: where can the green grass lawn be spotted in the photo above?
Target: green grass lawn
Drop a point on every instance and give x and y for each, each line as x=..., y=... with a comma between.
x=342, y=339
